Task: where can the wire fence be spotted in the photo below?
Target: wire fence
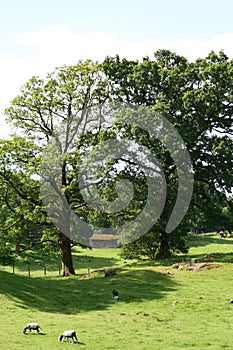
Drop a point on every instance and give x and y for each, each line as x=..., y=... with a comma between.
x=32, y=269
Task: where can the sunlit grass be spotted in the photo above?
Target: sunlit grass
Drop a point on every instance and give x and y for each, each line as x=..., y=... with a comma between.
x=159, y=308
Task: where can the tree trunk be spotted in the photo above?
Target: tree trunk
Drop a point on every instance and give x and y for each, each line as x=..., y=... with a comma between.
x=17, y=248
x=163, y=251
x=66, y=257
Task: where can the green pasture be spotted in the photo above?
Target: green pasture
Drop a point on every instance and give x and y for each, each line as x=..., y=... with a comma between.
x=160, y=307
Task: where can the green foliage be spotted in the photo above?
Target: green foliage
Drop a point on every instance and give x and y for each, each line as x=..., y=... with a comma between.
x=146, y=246
x=195, y=97
x=59, y=101
x=6, y=258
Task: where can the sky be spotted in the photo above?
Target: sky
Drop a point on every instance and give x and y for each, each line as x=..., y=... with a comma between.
x=37, y=36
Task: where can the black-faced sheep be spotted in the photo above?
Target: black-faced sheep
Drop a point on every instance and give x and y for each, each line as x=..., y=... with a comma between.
x=31, y=326
x=68, y=334
x=115, y=294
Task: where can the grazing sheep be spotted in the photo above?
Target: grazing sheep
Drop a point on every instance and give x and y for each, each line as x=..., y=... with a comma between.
x=110, y=272
x=115, y=294
x=68, y=334
x=31, y=326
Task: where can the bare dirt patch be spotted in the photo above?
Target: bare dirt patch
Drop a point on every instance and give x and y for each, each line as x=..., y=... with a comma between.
x=205, y=263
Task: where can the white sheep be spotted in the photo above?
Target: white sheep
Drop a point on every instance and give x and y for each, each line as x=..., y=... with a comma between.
x=68, y=334
x=31, y=326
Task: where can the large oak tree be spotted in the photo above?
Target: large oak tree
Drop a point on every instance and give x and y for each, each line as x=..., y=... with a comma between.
x=196, y=98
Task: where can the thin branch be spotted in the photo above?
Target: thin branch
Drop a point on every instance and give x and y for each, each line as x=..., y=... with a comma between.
x=11, y=225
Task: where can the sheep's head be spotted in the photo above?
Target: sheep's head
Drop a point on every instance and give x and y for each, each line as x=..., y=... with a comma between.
x=60, y=337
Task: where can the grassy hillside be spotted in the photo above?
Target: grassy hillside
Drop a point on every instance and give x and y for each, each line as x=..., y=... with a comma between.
x=160, y=307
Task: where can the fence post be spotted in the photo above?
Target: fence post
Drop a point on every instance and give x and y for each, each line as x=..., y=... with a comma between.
x=29, y=271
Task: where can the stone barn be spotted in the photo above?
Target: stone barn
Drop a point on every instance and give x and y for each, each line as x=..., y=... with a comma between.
x=105, y=240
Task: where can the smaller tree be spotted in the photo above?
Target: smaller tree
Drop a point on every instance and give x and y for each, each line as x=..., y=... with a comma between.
x=44, y=108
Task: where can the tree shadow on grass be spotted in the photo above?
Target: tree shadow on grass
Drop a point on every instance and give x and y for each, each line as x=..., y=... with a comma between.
x=193, y=241
x=216, y=257
x=201, y=240
x=72, y=295
x=93, y=262
x=53, y=263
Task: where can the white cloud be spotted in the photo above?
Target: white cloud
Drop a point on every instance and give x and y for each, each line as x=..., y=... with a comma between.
x=59, y=45
x=194, y=48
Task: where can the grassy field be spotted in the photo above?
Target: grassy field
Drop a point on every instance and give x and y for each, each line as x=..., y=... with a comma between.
x=160, y=307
